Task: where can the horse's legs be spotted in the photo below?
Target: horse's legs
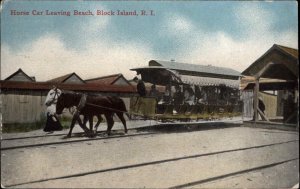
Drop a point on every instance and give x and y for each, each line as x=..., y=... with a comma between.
x=90, y=118
x=121, y=117
x=83, y=126
x=85, y=119
x=76, y=117
x=72, y=125
x=110, y=122
x=98, y=122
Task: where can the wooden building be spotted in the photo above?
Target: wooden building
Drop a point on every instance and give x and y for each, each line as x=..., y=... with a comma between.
x=71, y=78
x=277, y=70
x=23, y=100
x=20, y=75
x=116, y=79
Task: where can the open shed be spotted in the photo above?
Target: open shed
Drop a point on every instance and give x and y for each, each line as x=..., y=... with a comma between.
x=276, y=70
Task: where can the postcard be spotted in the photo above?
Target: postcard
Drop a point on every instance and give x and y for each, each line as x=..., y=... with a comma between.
x=149, y=94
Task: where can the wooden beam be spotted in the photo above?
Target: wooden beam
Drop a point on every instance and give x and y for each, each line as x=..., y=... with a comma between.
x=256, y=90
x=255, y=99
x=263, y=116
x=291, y=116
x=263, y=70
x=297, y=99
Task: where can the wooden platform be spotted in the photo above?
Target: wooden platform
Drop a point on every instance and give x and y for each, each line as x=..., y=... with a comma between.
x=272, y=125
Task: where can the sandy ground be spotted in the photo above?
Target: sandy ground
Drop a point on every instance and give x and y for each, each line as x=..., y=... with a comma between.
x=233, y=157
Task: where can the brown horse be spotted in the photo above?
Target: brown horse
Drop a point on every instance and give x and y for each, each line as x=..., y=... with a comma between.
x=94, y=105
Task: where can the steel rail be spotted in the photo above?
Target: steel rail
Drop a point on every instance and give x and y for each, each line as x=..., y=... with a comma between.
x=74, y=141
x=171, y=160
x=219, y=177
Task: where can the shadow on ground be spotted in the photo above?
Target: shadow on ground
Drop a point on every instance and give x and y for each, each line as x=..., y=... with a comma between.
x=161, y=128
x=175, y=128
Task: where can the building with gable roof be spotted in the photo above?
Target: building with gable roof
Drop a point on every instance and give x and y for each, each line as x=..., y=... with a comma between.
x=115, y=79
x=276, y=70
x=23, y=98
x=196, y=69
x=20, y=75
x=71, y=78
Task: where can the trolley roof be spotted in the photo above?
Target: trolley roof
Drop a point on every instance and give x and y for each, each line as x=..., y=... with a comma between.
x=164, y=73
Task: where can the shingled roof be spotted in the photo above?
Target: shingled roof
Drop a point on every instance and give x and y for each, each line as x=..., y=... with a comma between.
x=283, y=63
x=204, y=69
x=291, y=51
x=64, y=78
x=107, y=80
x=20, y=75
x=88, y=87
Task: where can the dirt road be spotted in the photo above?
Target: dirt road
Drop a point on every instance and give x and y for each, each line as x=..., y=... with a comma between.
x=234, y=157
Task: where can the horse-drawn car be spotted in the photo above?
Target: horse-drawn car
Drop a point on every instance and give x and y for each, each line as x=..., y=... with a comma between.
x=182, y=95
x=187, y=95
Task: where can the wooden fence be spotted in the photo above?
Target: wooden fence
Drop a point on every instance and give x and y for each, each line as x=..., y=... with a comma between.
x=27, y=106
x=269, y=100
x=23, y=106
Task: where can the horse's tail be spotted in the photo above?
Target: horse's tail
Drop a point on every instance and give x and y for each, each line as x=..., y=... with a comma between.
x=119, y=106
x=122, y=106
x=123, y=109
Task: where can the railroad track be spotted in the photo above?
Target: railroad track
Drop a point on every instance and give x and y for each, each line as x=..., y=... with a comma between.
x=161, y=125
x=259, y=150
x=153, y=129
x=189, y=184
x=69, y=141
x=52, y=135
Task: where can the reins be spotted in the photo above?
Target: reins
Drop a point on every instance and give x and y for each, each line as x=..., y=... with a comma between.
x=106, y=108
x=115, y=110
x=83, y=103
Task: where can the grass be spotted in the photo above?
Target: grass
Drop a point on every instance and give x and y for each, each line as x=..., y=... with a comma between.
x=65, y=121
x=22, y=127
x=26, y=127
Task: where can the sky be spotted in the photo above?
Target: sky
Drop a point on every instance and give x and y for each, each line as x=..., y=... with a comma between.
x=230, y=34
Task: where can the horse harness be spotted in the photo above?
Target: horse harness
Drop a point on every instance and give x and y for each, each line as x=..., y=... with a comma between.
x=82, y=103
x=54, y=98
